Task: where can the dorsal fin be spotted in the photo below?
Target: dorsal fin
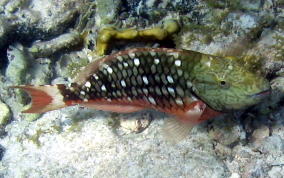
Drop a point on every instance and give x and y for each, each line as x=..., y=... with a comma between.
x=236, y=47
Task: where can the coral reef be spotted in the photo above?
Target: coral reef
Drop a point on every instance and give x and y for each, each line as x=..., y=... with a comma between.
x=41, y=43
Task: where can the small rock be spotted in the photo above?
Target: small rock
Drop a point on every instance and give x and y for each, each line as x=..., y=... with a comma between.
x=243, y=22
x=272, y=145
x=222, y=151
x=46, y=48
x=243, y=154
x=134, y=124
x=18, y=64
x=235, y=175
x=275, y=172
x=5, y=28
x=259, y=135
x=107, y=10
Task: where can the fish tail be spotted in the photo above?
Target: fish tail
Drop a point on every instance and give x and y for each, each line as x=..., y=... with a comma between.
x=44, y=97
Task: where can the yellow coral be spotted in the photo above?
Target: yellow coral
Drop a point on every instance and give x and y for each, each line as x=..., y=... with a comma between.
x=159, y=33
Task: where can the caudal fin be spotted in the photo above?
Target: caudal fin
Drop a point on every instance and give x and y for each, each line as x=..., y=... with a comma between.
x=44, y=97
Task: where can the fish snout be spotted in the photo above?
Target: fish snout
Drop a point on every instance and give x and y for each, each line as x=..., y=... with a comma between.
x=264, y=92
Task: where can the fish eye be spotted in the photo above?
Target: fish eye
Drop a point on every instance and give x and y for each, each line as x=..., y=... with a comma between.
x=224, y=84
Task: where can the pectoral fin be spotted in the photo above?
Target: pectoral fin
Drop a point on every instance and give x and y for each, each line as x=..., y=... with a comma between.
x=238, y=46
x=176, y=129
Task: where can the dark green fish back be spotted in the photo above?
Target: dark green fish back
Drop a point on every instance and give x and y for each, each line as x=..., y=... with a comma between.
x=160, y=78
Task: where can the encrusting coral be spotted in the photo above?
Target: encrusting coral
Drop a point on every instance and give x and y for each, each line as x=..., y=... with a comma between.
x=168, y=28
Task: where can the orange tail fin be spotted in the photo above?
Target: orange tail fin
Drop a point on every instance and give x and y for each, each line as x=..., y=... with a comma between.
x=44, y=97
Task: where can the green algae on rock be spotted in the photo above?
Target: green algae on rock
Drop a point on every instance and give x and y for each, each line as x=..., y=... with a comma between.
x=5, y=114
x=66, y=41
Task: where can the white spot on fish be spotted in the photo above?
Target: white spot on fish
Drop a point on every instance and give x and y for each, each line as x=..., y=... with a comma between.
x=85, y=100
x=178, y=63
x=171, y=90
x=178, y=101
x=170, y=79
x=145, y=80
x=230, y=67
x=152, y=100
x=108, y=99
x=103, y=87
x=123, y=84
x=156, y=61
x=125, y=64
x=82, y=93
x=88, y=84
x=129, y=99
x=132, y=55
x=136, y=61
x=95, y=76
x=109, y=69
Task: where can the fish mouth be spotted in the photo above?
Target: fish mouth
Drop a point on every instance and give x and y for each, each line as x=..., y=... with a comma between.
x=262, y=94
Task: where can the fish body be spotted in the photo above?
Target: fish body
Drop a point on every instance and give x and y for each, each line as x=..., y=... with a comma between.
x=188, y=84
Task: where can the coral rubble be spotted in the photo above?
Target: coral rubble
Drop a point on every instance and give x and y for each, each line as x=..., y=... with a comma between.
x=47, y=42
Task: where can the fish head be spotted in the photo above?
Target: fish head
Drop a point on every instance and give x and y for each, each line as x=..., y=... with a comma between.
x=225, y=85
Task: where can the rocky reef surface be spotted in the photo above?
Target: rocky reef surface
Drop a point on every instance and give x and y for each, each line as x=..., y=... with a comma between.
x=48, y=42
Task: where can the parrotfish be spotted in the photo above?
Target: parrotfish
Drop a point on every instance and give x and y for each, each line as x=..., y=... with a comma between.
x=192, y=86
